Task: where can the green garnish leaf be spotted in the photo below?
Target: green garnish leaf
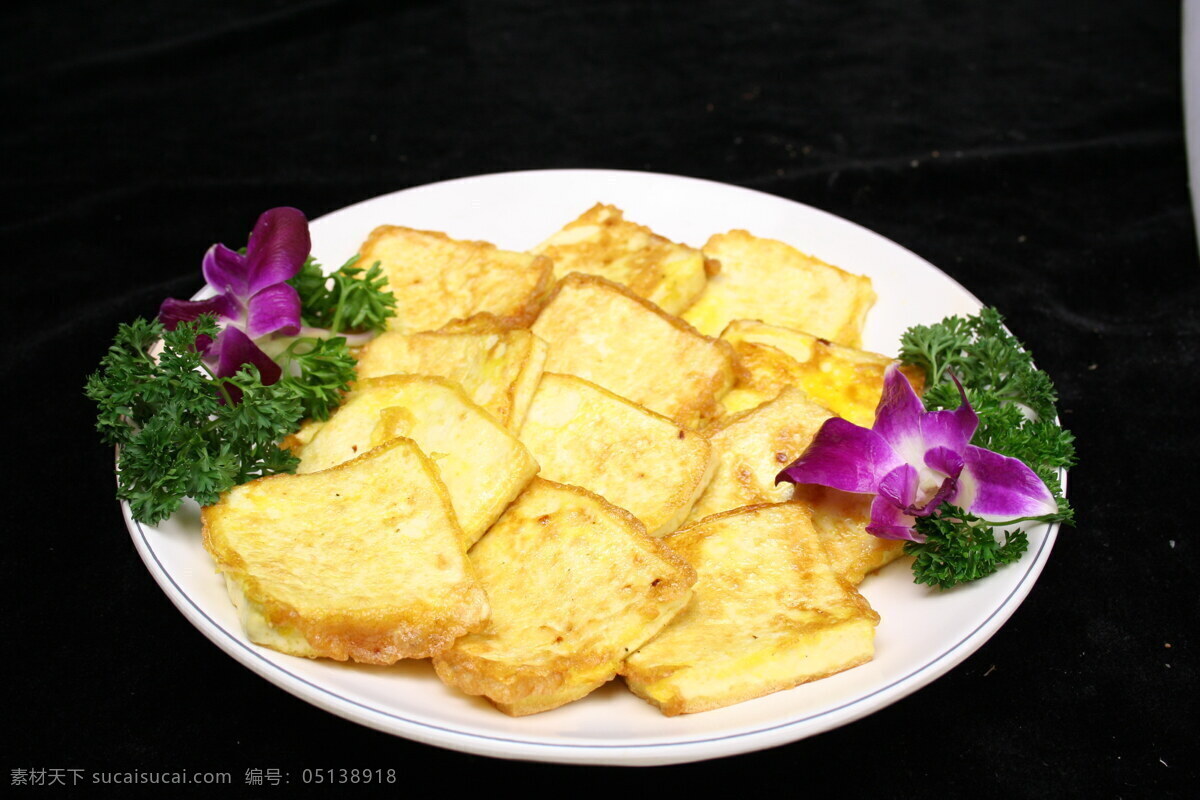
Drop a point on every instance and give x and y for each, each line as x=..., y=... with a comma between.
x=959, y=547
x=348, y=300
x=1015, y=402
x=318, y=371
x=180, y=433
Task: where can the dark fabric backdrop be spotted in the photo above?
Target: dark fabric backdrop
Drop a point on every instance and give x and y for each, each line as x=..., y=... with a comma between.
x=1033, y=150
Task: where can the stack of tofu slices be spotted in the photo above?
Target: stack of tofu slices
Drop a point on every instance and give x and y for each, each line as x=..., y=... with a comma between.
x=559, y=466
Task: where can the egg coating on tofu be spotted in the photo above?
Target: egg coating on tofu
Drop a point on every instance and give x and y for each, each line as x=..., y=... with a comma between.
x=498, y=368
x=364, y=561
x=752, y=447
x=482, y=465
x=638, y=460
x=768, y=280
x=840, y=520
x=602, y=242
x=575, y=585
x=767, y=613
x=846, y=380
x=605, y=334
x=437, y=279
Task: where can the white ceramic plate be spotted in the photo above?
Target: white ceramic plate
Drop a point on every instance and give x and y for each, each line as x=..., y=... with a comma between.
x=922, y=634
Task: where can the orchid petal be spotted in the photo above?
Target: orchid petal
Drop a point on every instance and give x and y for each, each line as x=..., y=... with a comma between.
x=235, y=349
x=949, y=429
x=275, y=308
x=890, y=522
x=952, y=429
x=899, y=486
x=945, y=460
x=996, y=486
x=898, y=416
x=843, y=456
x=913, y=491
x=277, y=248
x=172, y=311
x=948, y=462
x=225, y=270
x=947, y=491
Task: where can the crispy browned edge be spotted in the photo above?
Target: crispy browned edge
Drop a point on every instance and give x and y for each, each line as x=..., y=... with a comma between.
x=371, y=641
x=914, y=373
x=487, y=323
x=587, y=218
x=479, y=324
x=674, y=706
x=508, y=685
x=712, y=266
x=401, y=378
x=859, y=600
x=702, y=411
x=856, y=324
x=742, y=232
x=684, y=432
x=460, y=393
x=523, y=316
x=292, y=442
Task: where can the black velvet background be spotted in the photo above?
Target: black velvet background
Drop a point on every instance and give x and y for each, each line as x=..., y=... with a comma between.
x=1033, y=150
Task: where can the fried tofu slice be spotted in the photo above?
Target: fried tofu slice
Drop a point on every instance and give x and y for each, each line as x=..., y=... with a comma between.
x=575, y=585
x=437, y=279
x=602, y=242
x=752, y=447
x=638, y=460
x=767, y=613
x=498, y=367
x=768, y=280
x=307, y=430
x=846, y=380
x=840, y=520
x=481, y=463
x=604, y=333
x=364, y=561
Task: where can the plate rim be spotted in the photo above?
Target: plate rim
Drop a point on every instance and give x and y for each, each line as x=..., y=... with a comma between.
x=650, y=753
x=702, y=746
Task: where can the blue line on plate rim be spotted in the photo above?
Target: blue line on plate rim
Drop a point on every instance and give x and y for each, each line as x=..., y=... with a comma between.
x=273, y=667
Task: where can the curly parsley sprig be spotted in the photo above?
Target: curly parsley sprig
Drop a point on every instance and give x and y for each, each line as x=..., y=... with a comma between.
x=180, y=433
x=347, y=300
x=318, y=371
x=183, y=432
x=237, y=370
x=1015, y=402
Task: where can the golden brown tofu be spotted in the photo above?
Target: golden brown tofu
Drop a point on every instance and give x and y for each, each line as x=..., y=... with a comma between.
x=575, y=585
x=296, y=441
x=602, y=242
x=498, y=368
x=845, y=380
x=767, y=613
x=437, y=279
x=481, y=463
x=364, y=561
x=638, y=460
x=752, y=447
x=773, y=282
x=603, y=333
x=840, y=520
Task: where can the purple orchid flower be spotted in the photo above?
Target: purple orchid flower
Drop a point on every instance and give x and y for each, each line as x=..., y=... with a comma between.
x=912, y=460
x=253, y=297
